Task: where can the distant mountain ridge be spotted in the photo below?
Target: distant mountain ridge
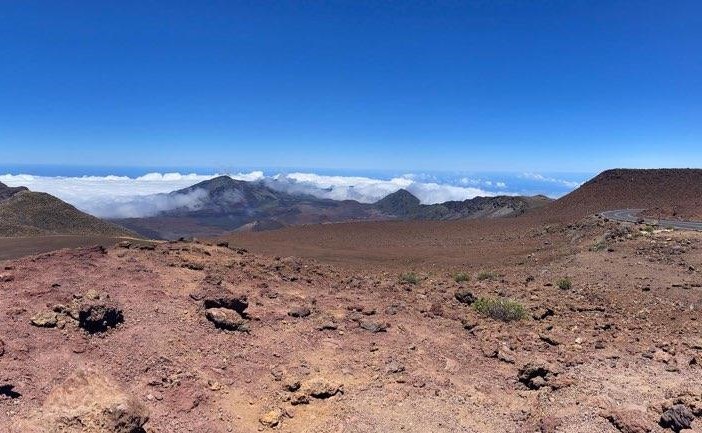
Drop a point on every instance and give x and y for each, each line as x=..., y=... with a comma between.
x=224, y=204
x=27, y=213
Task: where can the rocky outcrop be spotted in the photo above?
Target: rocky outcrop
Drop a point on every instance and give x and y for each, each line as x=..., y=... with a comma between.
x=87, y=402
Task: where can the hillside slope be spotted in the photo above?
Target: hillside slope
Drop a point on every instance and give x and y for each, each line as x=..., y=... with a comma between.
x=672, y=192
x=27, y=213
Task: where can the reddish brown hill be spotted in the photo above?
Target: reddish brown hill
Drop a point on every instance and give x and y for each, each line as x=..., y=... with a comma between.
x=675, y=192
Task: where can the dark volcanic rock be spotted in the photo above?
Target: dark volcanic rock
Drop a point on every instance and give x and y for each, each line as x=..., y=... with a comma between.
x=299, y=312
x=677, y=418
x=542, y=313
x=98, y=316
x=238, y=303
x=465, y=297
x=536, y=374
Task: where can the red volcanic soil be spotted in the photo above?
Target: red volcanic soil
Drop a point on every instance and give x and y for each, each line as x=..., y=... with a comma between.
x=673, y=192
x=194, y=337
x=408, y=245
x=12, y=248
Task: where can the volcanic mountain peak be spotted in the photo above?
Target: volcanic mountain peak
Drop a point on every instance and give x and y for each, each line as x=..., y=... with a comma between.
x=223, y=193
x=216, y=184
x=400, y=202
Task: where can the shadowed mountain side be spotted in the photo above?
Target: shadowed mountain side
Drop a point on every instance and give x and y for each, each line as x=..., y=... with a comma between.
x=402, y=204
x=7, y=192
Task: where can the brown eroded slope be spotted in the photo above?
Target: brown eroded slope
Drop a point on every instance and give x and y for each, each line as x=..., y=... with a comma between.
x=675, y=192
x=28, y=213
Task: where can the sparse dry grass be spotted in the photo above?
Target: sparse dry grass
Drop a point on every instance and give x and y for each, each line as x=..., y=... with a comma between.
x=504, y=309
x=410, y=278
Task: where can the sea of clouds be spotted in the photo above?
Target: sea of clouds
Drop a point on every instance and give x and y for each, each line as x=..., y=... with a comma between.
x=147, y=195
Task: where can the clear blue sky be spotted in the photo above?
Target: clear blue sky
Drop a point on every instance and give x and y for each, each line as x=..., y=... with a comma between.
x=496, y=85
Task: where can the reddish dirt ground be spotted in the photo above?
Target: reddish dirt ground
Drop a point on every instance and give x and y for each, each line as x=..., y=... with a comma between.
x=611, y=353
x=12, y=248
x=414, y=245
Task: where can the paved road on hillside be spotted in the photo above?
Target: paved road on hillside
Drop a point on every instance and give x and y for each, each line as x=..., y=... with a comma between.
x=632, y=216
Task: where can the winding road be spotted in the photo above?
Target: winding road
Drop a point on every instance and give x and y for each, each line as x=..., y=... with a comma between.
x=632, y=216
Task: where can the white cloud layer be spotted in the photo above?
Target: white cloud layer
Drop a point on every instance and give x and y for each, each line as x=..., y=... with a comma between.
x=542, y=178
x=125, y=197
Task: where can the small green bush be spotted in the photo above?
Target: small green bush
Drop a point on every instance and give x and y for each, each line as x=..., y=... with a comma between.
x=487, y=275
x=564, y=283
x=648, y=228
x=461, y=277
x=599, y=246
x=409, y=277
x=503, y=309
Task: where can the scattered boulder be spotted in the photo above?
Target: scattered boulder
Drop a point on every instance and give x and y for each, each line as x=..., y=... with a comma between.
x=327, y=326
x=272, y=418
x=2, y=347
x=469, y=323
x=6, y=278
x=542, y=313
x=551, y=339
x=299, y=312
x=628, y=420
x=9, y=391
x=293, y=385
x=373, y=327
x=193, y=266
x=47, y=319
x=505, y=354
x=320, y=388
x=99, y=315
x=315, y=388
x=677, y=418
x=227, y=319
x=224, y=299
x=536, y=375
x=394, y=367
x=465, y=297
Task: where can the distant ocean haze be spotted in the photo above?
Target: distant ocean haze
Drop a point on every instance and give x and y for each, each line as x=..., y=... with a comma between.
x=124, y=192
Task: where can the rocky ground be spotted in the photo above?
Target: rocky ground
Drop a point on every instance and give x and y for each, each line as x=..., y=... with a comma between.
x=197, y=337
